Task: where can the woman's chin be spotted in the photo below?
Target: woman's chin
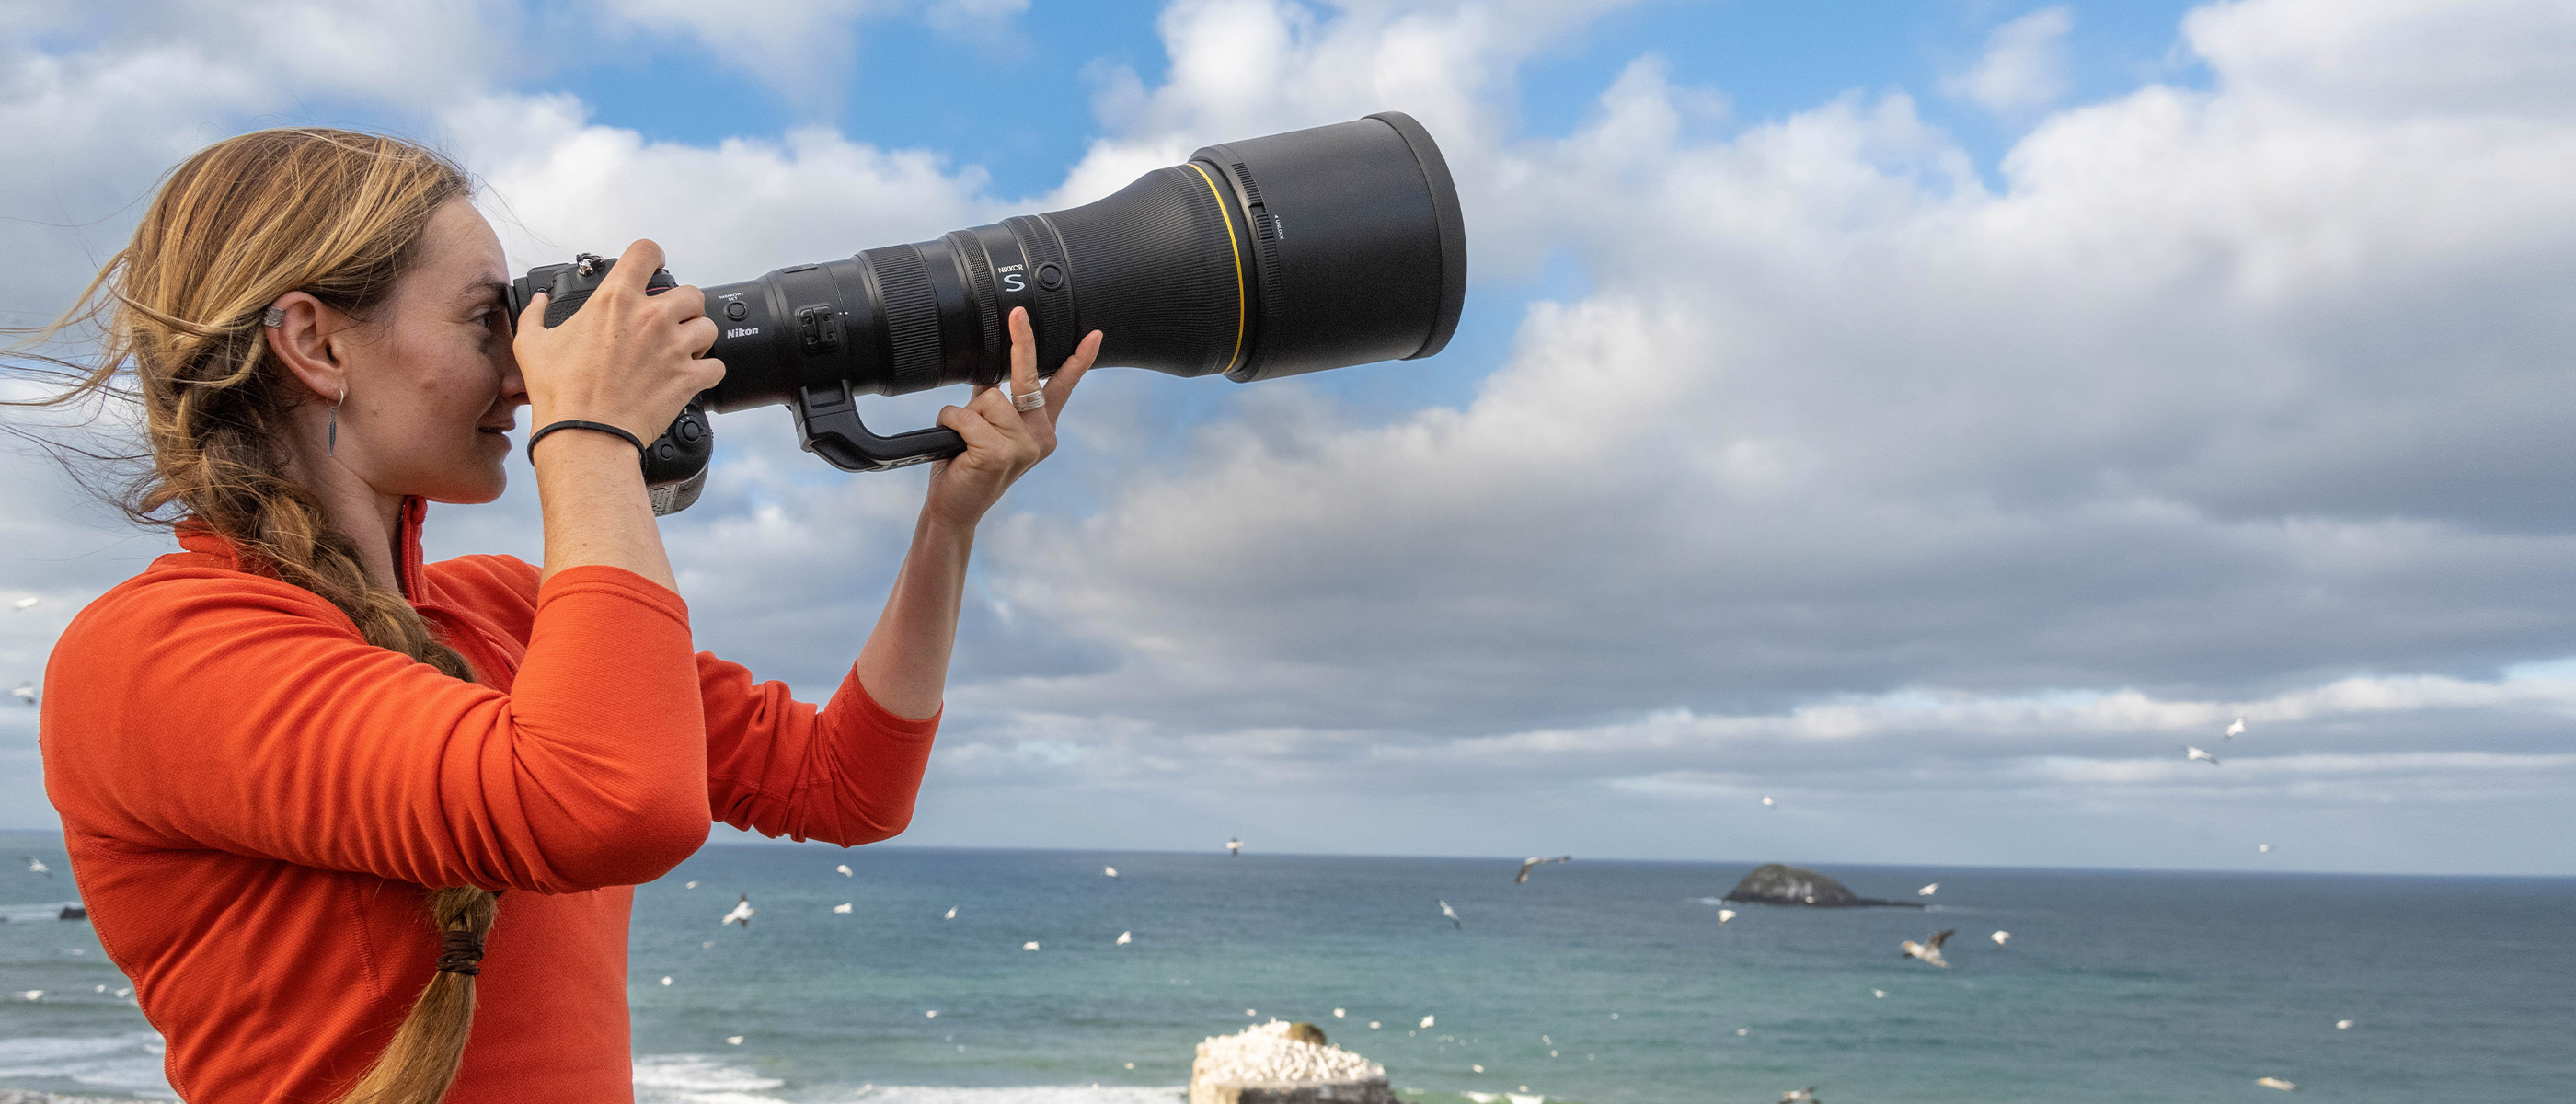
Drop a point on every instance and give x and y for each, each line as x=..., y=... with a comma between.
x=485, y=486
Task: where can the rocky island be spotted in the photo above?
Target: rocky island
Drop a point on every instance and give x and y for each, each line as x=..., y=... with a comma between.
x=1782, y=884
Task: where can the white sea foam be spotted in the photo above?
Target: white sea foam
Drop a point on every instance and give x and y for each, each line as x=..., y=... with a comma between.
x=128, y=1063
x=702, y=1079
x=698, y=1079
x=1034, y=1094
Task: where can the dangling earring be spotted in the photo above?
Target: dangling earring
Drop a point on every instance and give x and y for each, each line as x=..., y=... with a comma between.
x=331, y=446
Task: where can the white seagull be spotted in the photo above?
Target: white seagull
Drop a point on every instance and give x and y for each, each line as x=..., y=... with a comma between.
x=2236, y=730
x=37, y=866
x=25, y=692
x=2001, y=938
x=2276, y=1083
x=2264, y=848
x=1535, y=861
x=1427, y=1021
x=843, y=908
x=1929, y=890
x=844, y=868
x=1799, y=1096
x=24, y=603
x=1031, y=945
x=1452, y=914
x=1126, y=937
x=2190, y=753
x=32, y=994
x=1929, y=950
x=742, y=911
x=1234, y=847
x=1724, y=915
x=1109, y=870
x=952, y=913
x=1766, y=801
x=2343, y=1025
x=733, y=1040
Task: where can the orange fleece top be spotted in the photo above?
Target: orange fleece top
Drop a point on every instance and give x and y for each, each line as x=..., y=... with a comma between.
x=255, y=800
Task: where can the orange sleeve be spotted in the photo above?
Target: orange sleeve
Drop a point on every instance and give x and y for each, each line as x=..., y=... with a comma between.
x=230, y=712
x=844, y=774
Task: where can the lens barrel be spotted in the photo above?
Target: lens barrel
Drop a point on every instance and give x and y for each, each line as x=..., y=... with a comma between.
x=1267, y=257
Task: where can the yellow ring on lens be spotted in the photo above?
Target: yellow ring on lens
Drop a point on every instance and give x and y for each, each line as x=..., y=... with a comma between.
x=1242, y=311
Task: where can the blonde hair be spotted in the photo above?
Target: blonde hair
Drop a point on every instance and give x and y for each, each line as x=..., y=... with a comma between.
x=339, y=215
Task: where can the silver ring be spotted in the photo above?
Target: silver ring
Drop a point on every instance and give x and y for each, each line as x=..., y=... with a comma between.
x=1034, y=399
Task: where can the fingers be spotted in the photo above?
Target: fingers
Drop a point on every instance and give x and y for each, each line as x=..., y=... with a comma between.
x=982, y=436
x=635, y=267
x=534, y=318
x=1024, y=353
x=683, y=302
x=1060, y=386
x=699, y=334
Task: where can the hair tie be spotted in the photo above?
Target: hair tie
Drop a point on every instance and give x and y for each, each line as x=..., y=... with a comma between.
x=460, y=952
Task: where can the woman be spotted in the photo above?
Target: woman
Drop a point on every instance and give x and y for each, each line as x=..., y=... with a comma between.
x=298, y=768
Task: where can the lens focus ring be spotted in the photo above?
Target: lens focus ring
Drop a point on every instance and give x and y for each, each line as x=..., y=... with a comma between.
x=911, y=317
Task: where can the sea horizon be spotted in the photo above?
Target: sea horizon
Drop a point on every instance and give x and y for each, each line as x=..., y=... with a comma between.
x=1608, y=981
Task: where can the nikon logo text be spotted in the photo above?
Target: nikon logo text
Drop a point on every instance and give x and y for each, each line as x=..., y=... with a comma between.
x=746, y=331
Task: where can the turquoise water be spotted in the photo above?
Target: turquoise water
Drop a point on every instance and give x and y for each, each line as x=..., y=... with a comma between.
x=1601, y=982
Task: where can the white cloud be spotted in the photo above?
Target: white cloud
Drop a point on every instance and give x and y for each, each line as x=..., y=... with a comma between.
x=1843, y=466
x=801, y=48
x=2160, y=413
x=2024, y=67
x=721, y=213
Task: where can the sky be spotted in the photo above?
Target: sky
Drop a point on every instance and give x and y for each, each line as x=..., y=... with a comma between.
x=1931, y=416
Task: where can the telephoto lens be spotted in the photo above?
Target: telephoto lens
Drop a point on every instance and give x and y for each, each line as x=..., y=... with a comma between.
x=1254, y=259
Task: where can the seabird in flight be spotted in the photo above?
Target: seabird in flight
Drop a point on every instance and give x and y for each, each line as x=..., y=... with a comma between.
x=1534, y=861
x=1929, y=950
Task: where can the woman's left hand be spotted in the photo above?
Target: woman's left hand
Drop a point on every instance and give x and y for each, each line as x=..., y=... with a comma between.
x=1003, y=443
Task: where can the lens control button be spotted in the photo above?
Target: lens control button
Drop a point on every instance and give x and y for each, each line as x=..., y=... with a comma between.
x=690, y=431
x=1050, y=275
x=735, y=310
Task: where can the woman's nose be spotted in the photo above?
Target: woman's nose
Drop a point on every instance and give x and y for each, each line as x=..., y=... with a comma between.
x=514, y=386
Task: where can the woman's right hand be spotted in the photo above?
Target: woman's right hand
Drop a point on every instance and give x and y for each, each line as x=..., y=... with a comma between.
x=625, y=358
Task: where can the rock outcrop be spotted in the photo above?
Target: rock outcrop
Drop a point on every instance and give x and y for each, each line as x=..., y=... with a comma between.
x=1782, y=884
x=1275, y=1063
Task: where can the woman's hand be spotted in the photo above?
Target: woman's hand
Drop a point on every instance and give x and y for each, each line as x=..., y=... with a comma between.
x=1002, y=443
x=625, y=358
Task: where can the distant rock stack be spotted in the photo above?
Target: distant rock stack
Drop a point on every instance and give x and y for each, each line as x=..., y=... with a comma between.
x=1284, y=1063
x=1782, y=884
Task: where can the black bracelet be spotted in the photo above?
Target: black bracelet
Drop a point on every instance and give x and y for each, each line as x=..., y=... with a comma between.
x=576, y=423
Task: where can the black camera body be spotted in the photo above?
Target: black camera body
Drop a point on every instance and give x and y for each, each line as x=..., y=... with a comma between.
x=675, y=463
x=1255, y=259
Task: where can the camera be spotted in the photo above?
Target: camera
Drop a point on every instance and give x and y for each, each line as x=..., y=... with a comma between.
x=1265, y=257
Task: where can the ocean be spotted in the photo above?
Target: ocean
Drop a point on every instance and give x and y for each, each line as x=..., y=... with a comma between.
x=1599, y=982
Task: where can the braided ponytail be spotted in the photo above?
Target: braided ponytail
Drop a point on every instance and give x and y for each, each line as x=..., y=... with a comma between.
x=339, y=215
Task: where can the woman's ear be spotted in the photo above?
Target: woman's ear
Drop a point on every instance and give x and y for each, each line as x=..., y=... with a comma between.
x=301, y=341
